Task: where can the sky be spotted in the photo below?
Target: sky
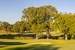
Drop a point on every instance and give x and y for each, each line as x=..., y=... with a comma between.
x=11, y=10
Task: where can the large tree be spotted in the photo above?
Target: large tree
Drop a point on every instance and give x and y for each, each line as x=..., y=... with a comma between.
x=66, y=24
x=39, y=15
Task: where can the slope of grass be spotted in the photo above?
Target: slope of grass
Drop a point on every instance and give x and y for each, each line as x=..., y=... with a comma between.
x=36, y=47
x=41, y=44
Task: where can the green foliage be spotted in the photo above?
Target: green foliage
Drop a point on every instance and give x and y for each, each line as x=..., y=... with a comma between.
x=39, y=17
x=5, y=26
x=37, y=28
x=20, y=27
x=36, y=47
x=65, y=23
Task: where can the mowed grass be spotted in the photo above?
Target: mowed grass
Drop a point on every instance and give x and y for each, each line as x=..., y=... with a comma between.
x=32, y=44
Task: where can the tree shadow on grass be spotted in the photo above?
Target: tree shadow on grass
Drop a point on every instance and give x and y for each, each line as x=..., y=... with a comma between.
x=4, y=44
x=36, y=47
x=11, y=43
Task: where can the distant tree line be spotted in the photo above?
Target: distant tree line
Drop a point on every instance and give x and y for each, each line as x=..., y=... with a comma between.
x=43, y=19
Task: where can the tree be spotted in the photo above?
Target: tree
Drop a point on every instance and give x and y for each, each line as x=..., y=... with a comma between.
x=37, y=29
x=39, y=15
x=21, y=27
x=65, y=23
x=6, y=26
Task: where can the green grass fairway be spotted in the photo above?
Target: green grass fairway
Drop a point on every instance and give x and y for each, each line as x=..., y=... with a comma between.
x=42, y=44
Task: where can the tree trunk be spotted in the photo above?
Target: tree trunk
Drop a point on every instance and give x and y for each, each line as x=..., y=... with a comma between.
x=48, y=33
x=65, y=36
x=47, y=36
x=72, y=36
x=66, y=31
x=36, y=36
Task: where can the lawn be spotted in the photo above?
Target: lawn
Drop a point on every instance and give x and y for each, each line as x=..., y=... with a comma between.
x=42, y=44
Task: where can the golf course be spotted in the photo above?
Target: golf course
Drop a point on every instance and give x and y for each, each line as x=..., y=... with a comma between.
x=42, y=44
x=37, y=25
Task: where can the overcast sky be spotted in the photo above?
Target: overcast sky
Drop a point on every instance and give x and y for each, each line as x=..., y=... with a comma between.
x=11, y=10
